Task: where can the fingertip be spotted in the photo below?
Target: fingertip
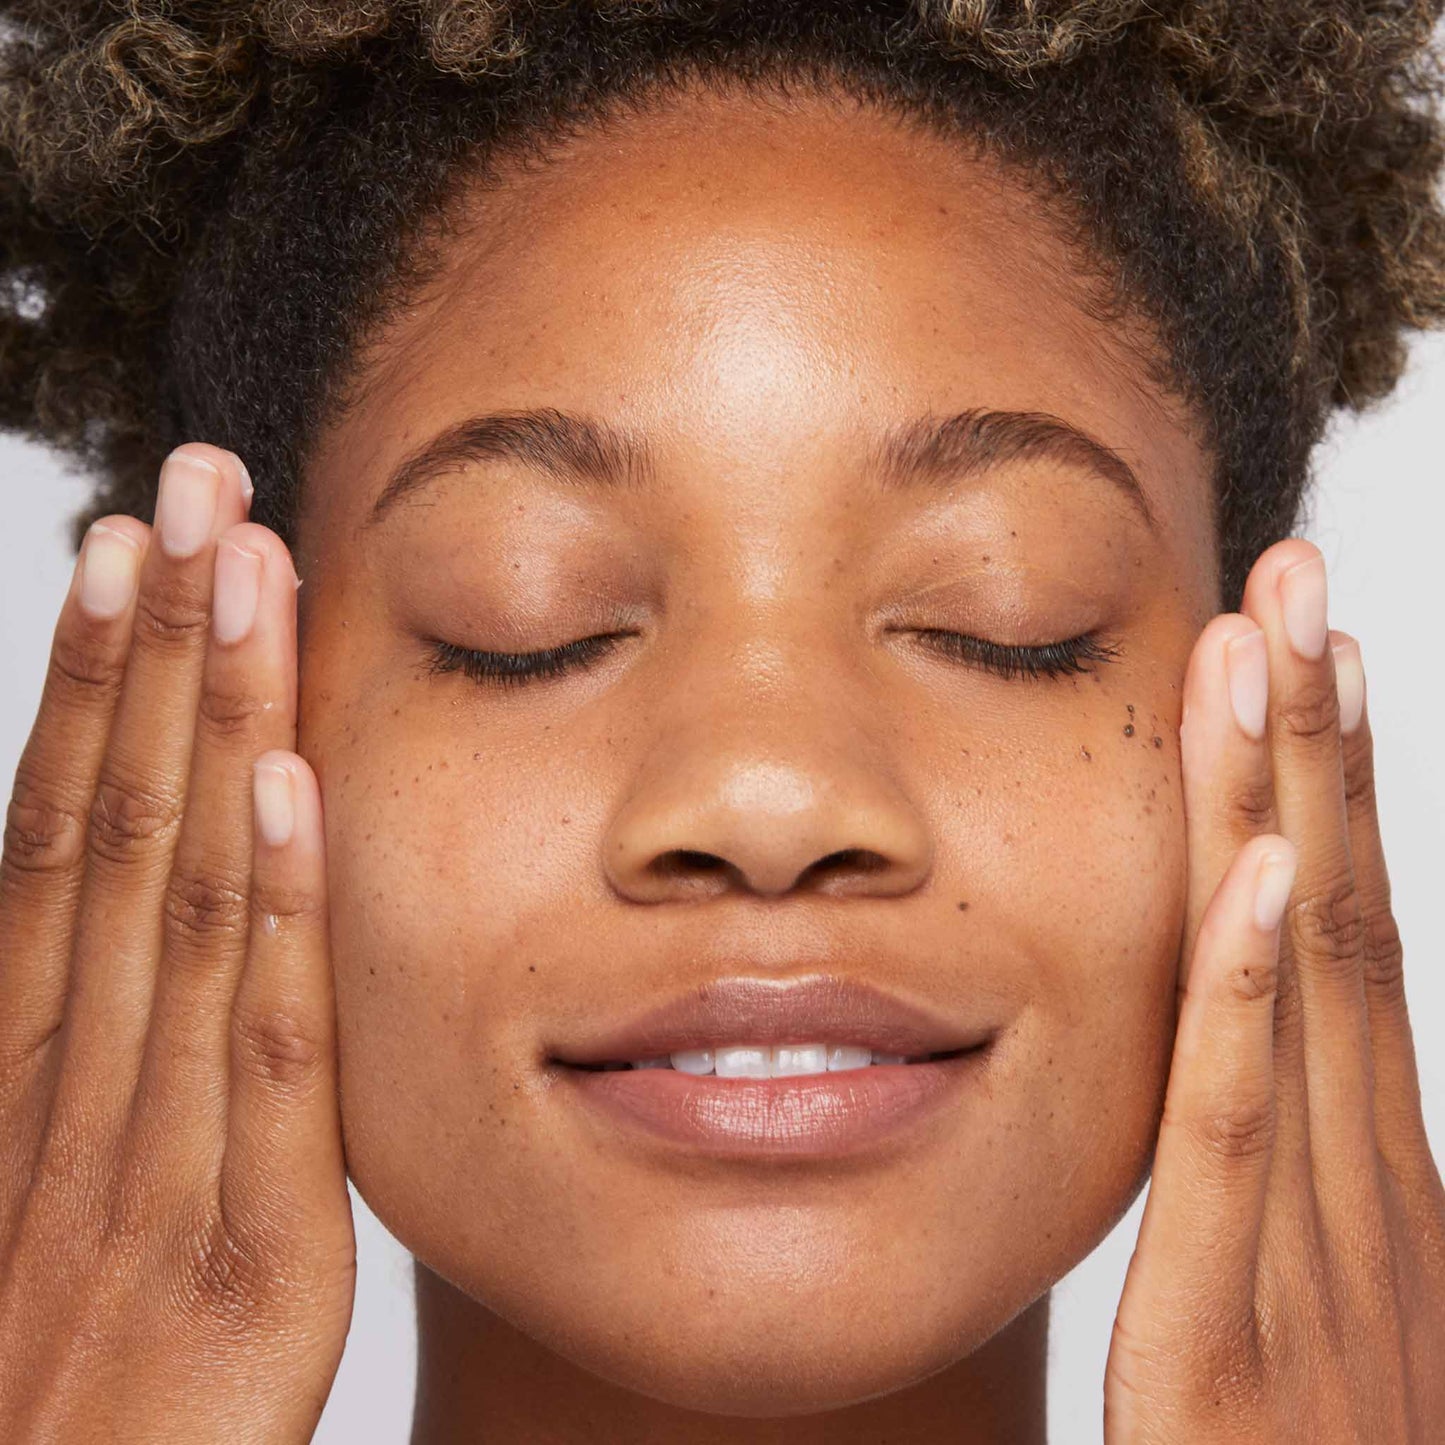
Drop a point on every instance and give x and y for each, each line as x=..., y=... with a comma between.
x=256, y=537
x=1278, y=860
x=132, y=527
x=274, y=792
x=107, y=571
x=248, y=487
x=1261, y=584
x=1349, y=680
x=287, y=798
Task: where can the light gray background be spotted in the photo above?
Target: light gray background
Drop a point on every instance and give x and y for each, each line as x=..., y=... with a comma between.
x=1377, y=514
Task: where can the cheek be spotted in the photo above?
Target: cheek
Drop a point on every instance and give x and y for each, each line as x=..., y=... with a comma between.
x=445, y=869
x=1078, y=859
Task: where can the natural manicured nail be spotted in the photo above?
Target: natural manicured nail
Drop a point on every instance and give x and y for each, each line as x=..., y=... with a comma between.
x=275, y=803
x=237, y=591
x=109, y=565
x=248, y=487
x=186, y=507
x=1349, y=684
x=1303, y=602
x=1271, y=889
x=1246, y=666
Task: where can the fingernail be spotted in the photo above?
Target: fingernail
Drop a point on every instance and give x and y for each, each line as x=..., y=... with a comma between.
x=1246, y=666
x=275, y=807
x=1271, y=889
x=109, y=565
x=1303, y=601
x=186, y=507
x=238, y=591
x=248, y=489
x=1350, y=684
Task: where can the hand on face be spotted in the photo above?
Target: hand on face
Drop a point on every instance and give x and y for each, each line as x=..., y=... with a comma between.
x=176, y=1245
x=1289, y=1279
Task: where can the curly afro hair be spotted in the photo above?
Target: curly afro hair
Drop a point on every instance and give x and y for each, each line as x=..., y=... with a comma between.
x=208, y=203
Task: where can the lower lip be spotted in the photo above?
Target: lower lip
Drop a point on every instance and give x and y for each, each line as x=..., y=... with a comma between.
x=816, y=1115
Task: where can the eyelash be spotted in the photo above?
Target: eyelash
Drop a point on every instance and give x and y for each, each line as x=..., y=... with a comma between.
x=515, y=669
x=1072, y=655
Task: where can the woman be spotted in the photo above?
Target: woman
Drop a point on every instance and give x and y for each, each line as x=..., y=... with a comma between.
x=769, y=483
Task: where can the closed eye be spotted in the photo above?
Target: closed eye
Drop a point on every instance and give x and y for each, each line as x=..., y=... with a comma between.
x=515, y=669
x=1072, y=655
x=1049, y=659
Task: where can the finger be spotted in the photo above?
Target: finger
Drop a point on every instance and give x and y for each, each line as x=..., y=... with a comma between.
x=247, y=707
x=139, y=799
x=1228, y=800
x=1228, y=791
x=1399, y=1120
x=284, y=1169
x=1324, y=930
x=1200, y=1234
x=44, y=854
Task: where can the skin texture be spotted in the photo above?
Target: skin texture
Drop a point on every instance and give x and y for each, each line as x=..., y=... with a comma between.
x=759, y=291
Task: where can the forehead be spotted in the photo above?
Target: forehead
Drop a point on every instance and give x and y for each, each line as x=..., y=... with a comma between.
x=752, y=278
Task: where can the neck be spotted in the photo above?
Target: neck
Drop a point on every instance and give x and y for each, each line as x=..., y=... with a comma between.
x=480, y=1379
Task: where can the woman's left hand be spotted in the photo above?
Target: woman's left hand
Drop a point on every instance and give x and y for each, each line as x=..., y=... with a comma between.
x=1289, y=1279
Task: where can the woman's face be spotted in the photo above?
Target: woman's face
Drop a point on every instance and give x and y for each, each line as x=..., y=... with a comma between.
x=775, y=773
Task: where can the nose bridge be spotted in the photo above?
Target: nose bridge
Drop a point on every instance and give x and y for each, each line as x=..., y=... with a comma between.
x=771, y=765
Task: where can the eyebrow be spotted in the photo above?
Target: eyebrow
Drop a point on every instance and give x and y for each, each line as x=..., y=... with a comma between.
x=926, y=454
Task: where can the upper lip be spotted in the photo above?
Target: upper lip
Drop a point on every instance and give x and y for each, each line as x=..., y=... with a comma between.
x=823, y=1008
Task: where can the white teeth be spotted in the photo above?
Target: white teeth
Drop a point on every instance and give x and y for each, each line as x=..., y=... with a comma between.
x=743, y=1062
x=692, y=1061
x=800, y=1059
x=762, y=1061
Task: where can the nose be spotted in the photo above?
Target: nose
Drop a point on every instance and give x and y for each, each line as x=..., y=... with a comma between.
x=768, y=794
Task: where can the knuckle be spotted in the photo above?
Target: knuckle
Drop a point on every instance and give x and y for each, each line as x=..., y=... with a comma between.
x=84, y=667
x=1250, y=803
x=171, y=612
x=277, y=1048
x=1255, y=980
x=126, y=816
x=41, y=834
x=1310, y=712
x=279, y=901
x=201, y=907
x=1384, y=954
x=1328, y=924
x=1238, y=1131
x=224, y=1278
x=229, y=712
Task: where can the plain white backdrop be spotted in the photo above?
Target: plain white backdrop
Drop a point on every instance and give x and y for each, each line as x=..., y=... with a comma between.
x=1378, y=512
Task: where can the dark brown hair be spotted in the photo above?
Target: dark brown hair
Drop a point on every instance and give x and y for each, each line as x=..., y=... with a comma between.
x=207, y=203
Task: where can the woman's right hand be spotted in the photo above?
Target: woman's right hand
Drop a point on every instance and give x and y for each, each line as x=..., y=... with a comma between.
x=177, y=1258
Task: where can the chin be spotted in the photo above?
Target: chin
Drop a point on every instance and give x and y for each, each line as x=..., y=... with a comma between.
x=805, y=1352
